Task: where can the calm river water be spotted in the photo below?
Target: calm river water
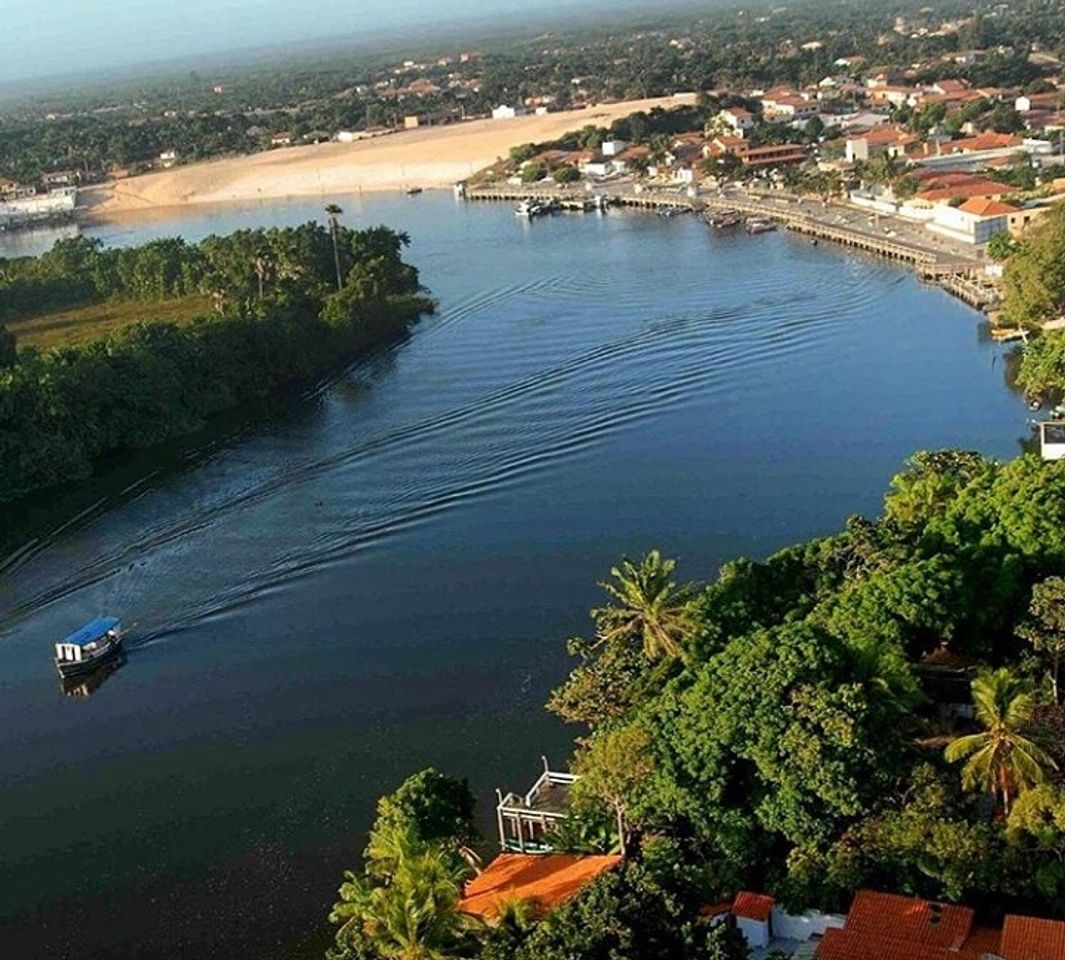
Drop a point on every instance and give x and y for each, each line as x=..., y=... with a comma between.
x=382, y=575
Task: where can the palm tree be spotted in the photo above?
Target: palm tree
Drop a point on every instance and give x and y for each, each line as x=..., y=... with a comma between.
x=649, y=606
x=1001, y=760
x=264, y=263
x=334, y=212
x=412, y=916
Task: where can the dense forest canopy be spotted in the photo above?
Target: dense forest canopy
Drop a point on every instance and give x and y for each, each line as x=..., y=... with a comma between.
x=289, y=304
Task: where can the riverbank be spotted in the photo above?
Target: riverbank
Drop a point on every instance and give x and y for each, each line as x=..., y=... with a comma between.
x=432, y=157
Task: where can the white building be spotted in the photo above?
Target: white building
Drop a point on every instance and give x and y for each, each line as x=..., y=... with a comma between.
x=976, y=221
x=738, y=119
x=611, y=148
x=753, y=913
x=505, y=112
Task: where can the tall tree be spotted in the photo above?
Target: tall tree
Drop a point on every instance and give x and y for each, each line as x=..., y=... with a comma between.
x=649, y=606
x=1044, y=627
x=8, y=349
x=612, y=768
x=334, y=212
x=1001, y=759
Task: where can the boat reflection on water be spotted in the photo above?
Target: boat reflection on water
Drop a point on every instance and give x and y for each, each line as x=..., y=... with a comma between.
x=86, y=684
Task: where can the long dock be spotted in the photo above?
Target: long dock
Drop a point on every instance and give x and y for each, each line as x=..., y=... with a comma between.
x=961, y=276
x=570, y=199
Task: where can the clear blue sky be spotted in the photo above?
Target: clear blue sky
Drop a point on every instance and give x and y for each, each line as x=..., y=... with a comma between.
x=42, y=37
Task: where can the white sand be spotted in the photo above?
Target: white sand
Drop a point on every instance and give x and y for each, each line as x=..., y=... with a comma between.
x=428, y=157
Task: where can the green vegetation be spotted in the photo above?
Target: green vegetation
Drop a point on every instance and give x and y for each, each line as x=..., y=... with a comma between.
x=277, y=319
x=1034, y=281
x=79, y=325
x=771, y=730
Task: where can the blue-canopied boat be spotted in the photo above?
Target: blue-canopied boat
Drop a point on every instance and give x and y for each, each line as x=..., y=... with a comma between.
x=85, y=649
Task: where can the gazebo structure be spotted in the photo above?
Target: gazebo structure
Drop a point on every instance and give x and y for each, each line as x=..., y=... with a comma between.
x=523, y=821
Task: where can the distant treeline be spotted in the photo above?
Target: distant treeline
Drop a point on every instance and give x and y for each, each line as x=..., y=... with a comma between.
x=279, y=319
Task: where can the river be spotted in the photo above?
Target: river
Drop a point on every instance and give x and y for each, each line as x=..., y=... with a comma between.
x=381, y=575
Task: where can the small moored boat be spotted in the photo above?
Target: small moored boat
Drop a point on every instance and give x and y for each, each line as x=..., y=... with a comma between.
x=413, y=191
x=85, y=649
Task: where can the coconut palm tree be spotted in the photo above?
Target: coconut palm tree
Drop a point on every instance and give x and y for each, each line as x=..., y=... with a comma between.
x=414, y=914
x=648, y=606
x=1001, y=760
x=334, y=212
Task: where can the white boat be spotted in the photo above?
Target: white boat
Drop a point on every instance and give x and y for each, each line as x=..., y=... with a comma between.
x=528, y=208
x=86, y=648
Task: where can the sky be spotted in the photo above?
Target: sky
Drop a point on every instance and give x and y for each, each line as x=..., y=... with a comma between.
x=42, y=38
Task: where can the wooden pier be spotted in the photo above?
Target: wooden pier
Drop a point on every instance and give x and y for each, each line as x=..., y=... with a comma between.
x=575, y=198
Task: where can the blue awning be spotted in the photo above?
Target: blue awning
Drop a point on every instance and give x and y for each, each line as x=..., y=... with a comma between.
x=93, y=630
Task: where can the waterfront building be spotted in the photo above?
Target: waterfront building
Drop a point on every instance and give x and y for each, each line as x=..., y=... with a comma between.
x=975, y=222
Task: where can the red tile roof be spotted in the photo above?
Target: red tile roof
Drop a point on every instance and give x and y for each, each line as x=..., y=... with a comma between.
x=752, y=906
x=851, y=945
x=981, y=207
x=1027, y=938
x=972, y=188
x=904, y=918
x=545, y=881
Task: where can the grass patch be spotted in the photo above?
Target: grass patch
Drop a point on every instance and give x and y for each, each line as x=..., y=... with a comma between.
x=66, y=328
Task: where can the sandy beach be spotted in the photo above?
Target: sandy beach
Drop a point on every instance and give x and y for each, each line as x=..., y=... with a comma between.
x=430, y=157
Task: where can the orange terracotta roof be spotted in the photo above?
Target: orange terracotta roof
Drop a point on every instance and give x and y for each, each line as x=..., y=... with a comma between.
x=987, y=208
x=983, y=141
x=908, y=918
x=752, y=906
x=545, y=881
x=973, y=188
x=1027, y=938
x=851, y=945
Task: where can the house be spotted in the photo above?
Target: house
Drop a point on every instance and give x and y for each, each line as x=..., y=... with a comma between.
x=895, y=96
x=753, y=913
x=612, y=148
x=960, y=186
x=597, y=166
x=505, y=112
x=13, y=190
x=738, y=119
x=976, y=221
x=982, y=142
x=780, y=154
x=60, y=178
x=542, y=882
x=283, y=139
x=168, y=158
x=883, y=926
x=789, y=108
x=880, y=141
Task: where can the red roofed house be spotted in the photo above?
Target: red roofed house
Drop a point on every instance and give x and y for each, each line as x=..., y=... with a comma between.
x=883, y=926
x=982, y=141
x=976, y=221
x=879, y=141
x=543, y=881
x=1028, y=938
x=753, y=912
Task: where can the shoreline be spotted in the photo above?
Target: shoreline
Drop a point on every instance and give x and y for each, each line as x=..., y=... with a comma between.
x=428, y=158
